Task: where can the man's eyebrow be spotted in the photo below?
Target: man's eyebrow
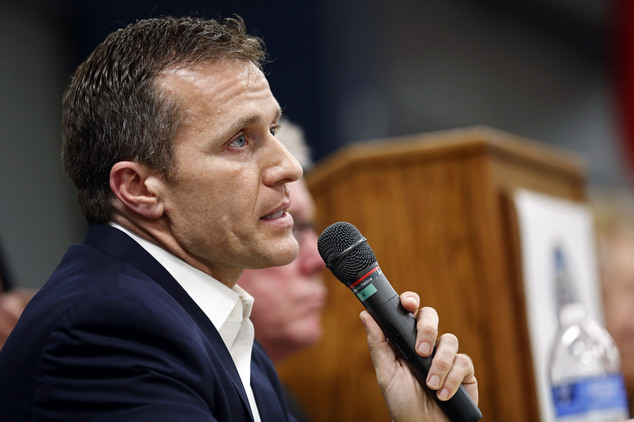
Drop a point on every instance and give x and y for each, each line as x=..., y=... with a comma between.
x=250, y=121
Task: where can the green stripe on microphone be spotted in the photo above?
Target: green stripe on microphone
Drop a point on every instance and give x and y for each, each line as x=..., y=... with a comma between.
x=367, y=292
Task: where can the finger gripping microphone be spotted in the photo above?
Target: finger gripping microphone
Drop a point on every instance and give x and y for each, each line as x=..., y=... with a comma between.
x=348, y=255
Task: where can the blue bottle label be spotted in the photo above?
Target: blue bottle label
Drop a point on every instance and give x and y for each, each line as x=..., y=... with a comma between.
x=600, y=393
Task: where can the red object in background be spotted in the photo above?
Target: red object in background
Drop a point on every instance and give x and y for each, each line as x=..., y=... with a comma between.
x=622, y=55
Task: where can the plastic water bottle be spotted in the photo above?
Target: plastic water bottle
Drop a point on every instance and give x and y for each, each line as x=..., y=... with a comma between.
x=585, y=366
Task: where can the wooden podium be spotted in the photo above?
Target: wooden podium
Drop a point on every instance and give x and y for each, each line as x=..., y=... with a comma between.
x=436, y=210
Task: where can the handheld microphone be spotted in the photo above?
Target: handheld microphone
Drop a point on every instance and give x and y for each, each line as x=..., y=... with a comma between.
x=349, y=257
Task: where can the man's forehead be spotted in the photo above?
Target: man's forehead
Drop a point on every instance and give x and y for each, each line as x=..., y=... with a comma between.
x=213, y=68
x=214, y=85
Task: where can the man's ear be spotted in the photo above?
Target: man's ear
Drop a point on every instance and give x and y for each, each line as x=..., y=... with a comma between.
x=131, y=183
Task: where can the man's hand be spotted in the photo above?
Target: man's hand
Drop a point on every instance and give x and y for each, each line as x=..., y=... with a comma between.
x=406, y=399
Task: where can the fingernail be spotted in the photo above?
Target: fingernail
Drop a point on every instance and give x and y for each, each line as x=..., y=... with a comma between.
x=363, y=320
x=443, y=394
x=434, y=381
x=424, y=348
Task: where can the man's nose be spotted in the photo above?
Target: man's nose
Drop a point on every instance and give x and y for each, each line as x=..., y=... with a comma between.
x=282, y=166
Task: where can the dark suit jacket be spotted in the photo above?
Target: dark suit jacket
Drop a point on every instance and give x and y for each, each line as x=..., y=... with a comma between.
x=112, y=336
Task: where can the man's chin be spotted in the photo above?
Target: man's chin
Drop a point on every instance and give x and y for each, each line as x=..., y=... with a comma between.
x=289, y=253
x=284, y=260
x=279, y=258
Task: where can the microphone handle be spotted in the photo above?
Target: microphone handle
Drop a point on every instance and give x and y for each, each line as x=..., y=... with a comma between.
x=399, y=326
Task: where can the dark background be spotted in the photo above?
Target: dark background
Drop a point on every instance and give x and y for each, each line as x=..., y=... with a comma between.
x=344, y=70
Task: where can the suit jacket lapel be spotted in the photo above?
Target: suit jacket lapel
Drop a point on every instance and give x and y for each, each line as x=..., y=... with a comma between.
x=266, y=387
x=121, y=246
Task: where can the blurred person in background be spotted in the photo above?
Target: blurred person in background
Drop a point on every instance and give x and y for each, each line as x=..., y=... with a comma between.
x=614, y=218
x=12, y=302
x=289, y=299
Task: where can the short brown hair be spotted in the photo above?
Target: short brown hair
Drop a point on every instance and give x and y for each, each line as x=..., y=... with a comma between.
x=113, y=109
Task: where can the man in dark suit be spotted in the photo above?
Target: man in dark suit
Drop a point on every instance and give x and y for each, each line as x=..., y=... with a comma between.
x=169, y=136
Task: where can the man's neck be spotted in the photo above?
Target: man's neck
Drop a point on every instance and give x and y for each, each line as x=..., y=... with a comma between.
x=161, y=237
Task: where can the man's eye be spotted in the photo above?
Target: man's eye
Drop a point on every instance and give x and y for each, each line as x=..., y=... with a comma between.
x=239, y=142
x=274, y=130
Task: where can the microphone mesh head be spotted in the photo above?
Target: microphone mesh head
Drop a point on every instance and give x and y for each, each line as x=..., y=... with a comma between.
x=335, y=239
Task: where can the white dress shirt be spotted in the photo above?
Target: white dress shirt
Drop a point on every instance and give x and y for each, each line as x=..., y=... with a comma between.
x=228, y=309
